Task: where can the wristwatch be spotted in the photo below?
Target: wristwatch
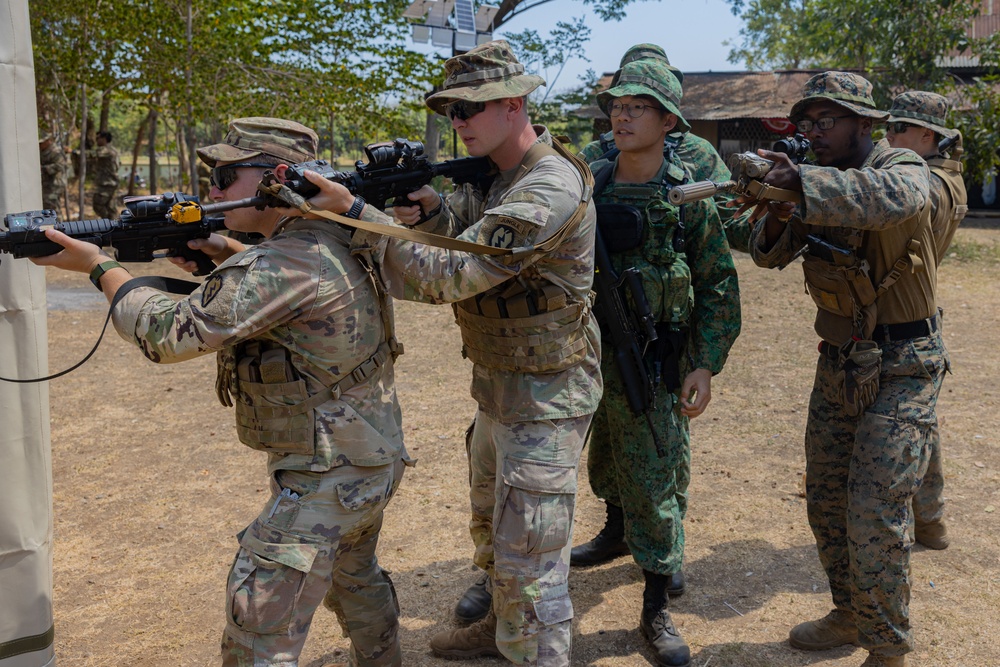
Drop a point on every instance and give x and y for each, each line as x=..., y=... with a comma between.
x=100, y=270
x=356, y=208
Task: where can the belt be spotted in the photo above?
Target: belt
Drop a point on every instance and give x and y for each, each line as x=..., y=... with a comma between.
x=887, y=333
x=829, y=351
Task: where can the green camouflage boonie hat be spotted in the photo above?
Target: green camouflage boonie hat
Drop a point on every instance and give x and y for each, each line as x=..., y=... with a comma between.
x=250, y=137
x=922, y=108
x=642, y=51
x=851, y=91
x=488, y=72
x=652, y=78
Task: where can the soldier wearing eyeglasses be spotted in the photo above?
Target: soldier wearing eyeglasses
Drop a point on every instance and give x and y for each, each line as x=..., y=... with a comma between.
x=526, y=325
x=305, y=348
x=870, y=266
x=917, y=120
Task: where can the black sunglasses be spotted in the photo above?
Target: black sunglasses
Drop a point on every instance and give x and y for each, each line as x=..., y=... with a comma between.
x=223, y=177
x=464, y=110
x=898, y=127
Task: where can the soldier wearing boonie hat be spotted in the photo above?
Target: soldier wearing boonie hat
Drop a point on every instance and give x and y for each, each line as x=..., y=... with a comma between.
x=651, y=78
x=302, y=335
x=870, y=268
x=917, y=120
x=526, y=327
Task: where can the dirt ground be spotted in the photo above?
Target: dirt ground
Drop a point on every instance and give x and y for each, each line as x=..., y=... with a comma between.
x=151, y=485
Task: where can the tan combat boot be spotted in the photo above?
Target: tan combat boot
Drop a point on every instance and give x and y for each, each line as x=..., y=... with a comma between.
x=478, y=640
x=875, y=660
x=835, y=629
x=932, y=535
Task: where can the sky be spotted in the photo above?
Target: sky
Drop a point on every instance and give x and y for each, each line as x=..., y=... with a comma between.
x=691, y=32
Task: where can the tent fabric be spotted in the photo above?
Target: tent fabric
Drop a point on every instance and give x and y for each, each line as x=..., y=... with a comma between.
x=26, y=621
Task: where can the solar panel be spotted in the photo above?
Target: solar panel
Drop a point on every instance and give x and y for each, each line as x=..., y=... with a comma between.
x=465, y=16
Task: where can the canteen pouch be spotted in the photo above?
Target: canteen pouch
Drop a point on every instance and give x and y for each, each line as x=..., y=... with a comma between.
x=621, y=226
x=860, y=383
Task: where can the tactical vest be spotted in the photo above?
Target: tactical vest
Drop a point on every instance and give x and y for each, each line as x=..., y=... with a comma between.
x=528, y=324
x=654, y=247
x=274, y=410
x=945, y=222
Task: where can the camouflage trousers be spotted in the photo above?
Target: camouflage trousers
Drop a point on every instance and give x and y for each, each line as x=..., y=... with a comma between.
x=105, y=202
x=626, y=471
x=314, y=541
x=928, y=500
x=523, y=496
x=861, y=473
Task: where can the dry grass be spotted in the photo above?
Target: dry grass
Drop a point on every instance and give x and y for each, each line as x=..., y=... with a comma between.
x=150, y=485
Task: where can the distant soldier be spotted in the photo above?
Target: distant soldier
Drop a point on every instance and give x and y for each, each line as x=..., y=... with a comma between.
x=917, y=121
x=106, y=164
x=53, y=162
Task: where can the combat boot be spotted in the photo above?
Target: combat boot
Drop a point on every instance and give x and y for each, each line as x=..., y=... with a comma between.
x=933, y=535
x=669, y=650
x=835, y=629
x=478, y=640
x=875, y=660
x=475, y=602
x=608, y=545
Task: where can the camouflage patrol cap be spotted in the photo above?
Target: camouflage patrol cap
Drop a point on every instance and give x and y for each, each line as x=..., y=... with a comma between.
x=250, y=137
x=849, y=90
x=922, y=108
x=490, y=71
x=652, y=78
x=651, y=51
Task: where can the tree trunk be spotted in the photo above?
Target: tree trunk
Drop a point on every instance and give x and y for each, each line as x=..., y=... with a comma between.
x=153, y=118
x=432, y=137
x=83, y=148
x=105, y=110
x=189, y=126
x=182, y=162
x=136, y=147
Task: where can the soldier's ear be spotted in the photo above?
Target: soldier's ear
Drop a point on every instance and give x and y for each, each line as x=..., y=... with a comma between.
x=280, y=171
x=865, y=126
x=670, y=122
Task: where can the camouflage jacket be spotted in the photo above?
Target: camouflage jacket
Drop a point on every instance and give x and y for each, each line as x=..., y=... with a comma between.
x=300, y=289
x=532, y=209
x=887, y=199
x=698, y=286
x=106, y=165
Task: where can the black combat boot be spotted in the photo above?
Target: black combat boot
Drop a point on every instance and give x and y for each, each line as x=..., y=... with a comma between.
x=608, y=545
x=669, y=650
x=476, y=601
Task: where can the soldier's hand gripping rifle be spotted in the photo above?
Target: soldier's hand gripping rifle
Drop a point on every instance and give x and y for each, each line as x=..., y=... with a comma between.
x=630, y=329
x=149, y=227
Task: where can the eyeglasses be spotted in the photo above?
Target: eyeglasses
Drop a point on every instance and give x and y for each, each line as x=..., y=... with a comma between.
x=464, y=110
x=223, y=177
x=898, y=127
x=633, y=110
x=824, y=123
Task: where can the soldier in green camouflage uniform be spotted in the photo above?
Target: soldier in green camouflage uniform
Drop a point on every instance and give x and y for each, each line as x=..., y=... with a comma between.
x=526, y=325
x=305, y=347
x=53, y=162
x=105, y=159
x=870, y=267
x=699, y=157
x=917, y=121
x=689, y=279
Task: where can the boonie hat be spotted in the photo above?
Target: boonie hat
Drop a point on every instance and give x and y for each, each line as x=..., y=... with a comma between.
x=250, y=137
x=849, y=90
x=922, y=108
x=488, y=72
x=652, y=78
x=651, y=51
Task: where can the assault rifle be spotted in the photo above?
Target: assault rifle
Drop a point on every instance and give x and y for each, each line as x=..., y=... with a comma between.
x=147, y=225
x=630, y=331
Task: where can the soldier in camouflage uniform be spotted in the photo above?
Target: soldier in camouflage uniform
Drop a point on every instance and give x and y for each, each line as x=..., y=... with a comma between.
x=699, y=156
x=526, y=326
x=106, y=162
x=305, y=348
x=871, y=267
x=917, y=121
x=53, y=162
x=689, y=279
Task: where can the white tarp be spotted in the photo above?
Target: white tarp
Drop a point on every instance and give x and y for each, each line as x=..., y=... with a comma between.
x=26, y=626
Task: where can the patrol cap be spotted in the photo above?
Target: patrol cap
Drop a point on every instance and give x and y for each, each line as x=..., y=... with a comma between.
x=652, y=78
x=488, y=72
x=250, y=137
x=922, y=108
x=849, y=90
x=652, y=51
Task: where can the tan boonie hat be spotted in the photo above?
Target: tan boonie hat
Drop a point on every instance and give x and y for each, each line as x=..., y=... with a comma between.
x=849, y=90
x=652, y=78
x=490, y=71
x=651, y=51
x=250, y=137
x=924, y=109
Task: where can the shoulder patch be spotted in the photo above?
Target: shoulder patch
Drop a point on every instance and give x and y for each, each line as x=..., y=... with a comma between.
x=506, y=231
x=213, y=287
